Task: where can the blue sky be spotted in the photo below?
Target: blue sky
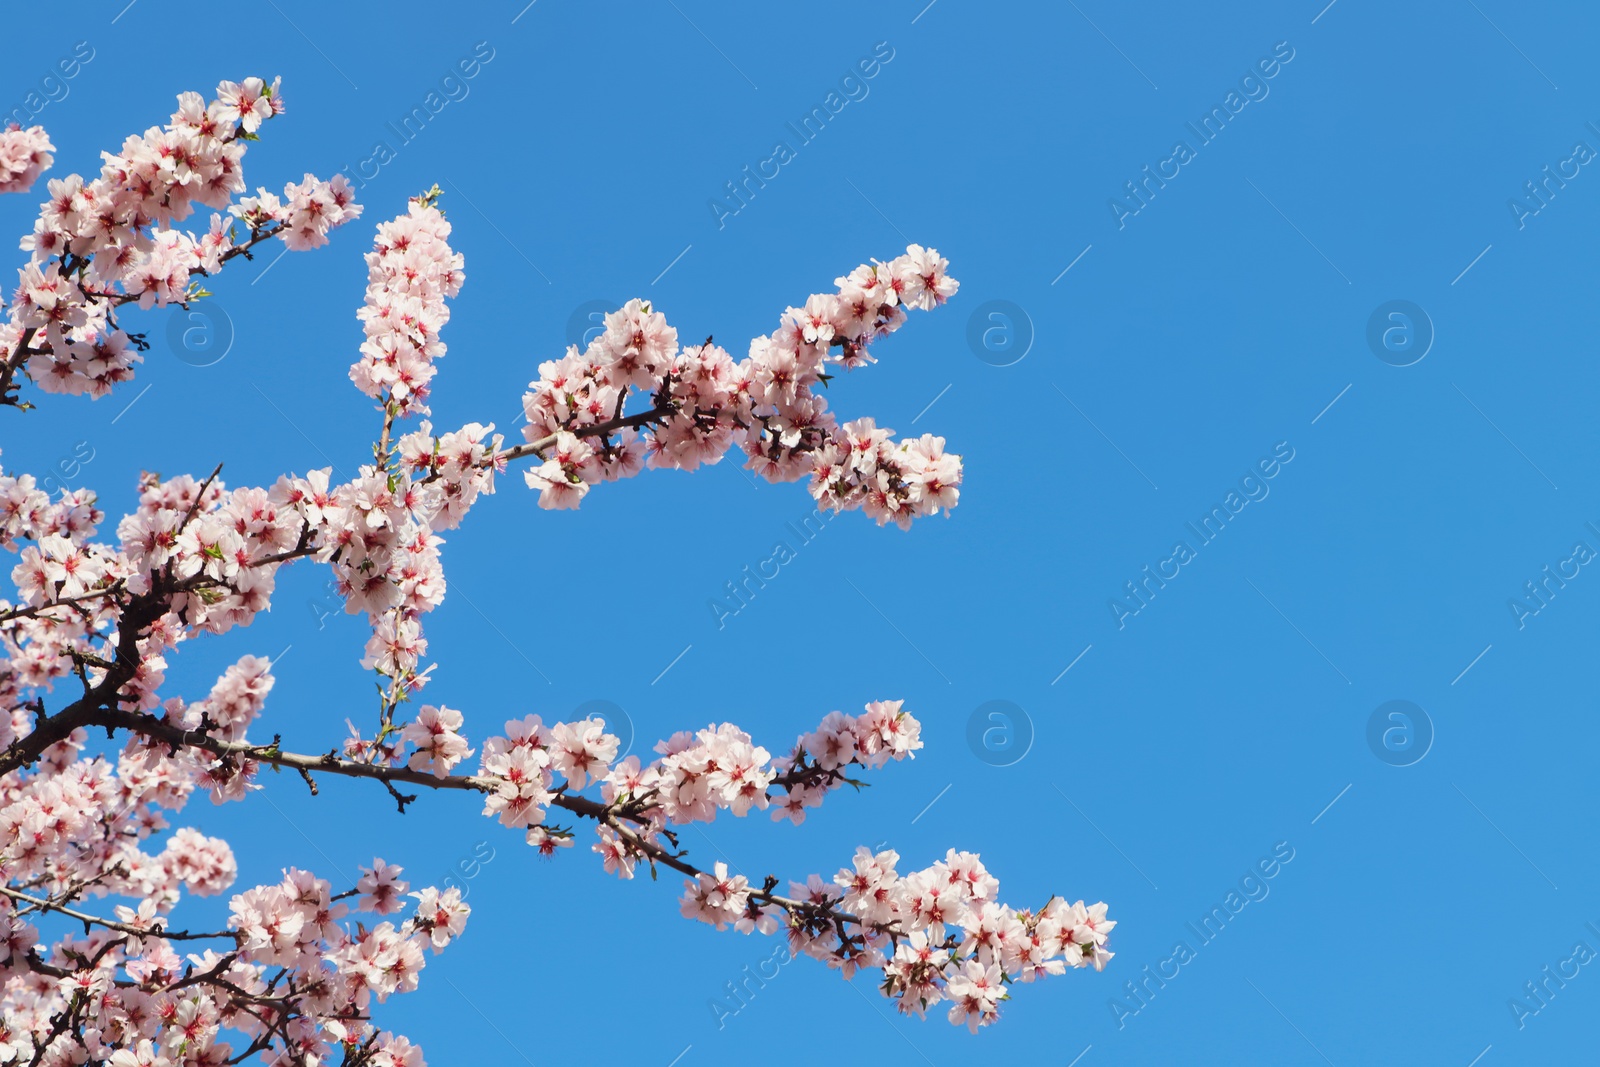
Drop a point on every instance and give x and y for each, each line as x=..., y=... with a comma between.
x=1170, y=356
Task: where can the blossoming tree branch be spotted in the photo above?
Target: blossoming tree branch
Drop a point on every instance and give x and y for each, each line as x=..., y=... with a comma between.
x=85, y=646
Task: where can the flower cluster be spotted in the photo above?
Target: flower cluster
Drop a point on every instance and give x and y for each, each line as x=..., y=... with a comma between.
x=307, y=211
x=211, y=554
x=24, y=155
x=207, y=556
x=294, y=924
x=704, y=402
x=85, y=826
x=110, y=241
x=861, y=466
x=235, y=700
x=787, y=366
x=55, y=559
x=960, y=944
x=379, y=531
x=519, y=768
x=580, y=393
x=937, y=934
x=698, y=775
x=410, y=272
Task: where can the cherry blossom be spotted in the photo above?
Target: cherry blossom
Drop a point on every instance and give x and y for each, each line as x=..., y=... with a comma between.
x=99, y=751
x=705, y=403
x=433, y=735
x=381, y=888
x=103, y=243
x=410, y=271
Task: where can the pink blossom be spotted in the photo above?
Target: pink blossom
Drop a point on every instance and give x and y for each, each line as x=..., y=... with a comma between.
x=98, y=619
x=24, y=154
x=434, y=735
x=382, y=888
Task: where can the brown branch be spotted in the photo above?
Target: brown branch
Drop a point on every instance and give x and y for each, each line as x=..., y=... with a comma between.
x=614, y=815
x=13, y=363
x=94, y=920
x=33, y=612
x=536, y=448
x=48, y=730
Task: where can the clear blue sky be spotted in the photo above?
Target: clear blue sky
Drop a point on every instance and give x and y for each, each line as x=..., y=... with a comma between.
x=1216, y=324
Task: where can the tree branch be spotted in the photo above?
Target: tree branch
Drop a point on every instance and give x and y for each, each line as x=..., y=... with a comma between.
x=536, y=448
x=615, y=815
x=109, y=924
